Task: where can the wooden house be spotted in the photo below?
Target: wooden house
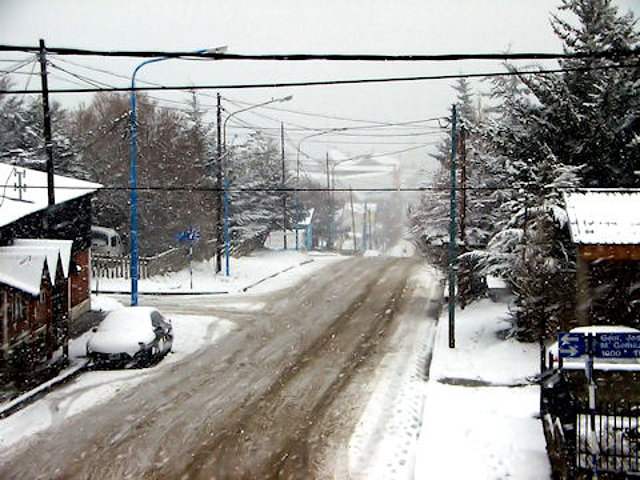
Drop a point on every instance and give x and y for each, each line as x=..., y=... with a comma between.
x=44, y=265
x=605, y=227
x=25, y=311
x=26, y=214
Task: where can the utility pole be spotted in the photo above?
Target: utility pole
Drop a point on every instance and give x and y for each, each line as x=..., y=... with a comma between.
x=219, y=203
x=452, y=236
x=48, y=143
x=464, y=280
x=463, y=181
x=284, y=194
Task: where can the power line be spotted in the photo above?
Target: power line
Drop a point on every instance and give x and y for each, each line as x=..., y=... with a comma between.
x=280, y=189
x=296, y=57
x=13, y=69
x=379, y=128
x=329, y=117
x=359, y=81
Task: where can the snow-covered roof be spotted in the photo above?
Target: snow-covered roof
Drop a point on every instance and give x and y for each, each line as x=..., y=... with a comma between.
x=610, y=217
x=63, y=246
x=22, y=271
x=23, y=191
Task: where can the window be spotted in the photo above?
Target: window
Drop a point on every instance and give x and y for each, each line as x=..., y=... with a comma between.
x=17, y=308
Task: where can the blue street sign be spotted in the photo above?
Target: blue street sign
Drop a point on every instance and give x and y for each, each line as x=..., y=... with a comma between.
x=192, y=235
x=605, y=345
x=617, y=345
x=571, y=345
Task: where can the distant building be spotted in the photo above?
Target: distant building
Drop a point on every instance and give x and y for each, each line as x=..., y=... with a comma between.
x=605, y=227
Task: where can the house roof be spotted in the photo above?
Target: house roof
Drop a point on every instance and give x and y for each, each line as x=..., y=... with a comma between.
x=63, y=246
x=16, y=202
x=22, y=271
x=608, y=217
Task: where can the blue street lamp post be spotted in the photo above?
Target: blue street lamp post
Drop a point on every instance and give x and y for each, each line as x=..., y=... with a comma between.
x=133, y=178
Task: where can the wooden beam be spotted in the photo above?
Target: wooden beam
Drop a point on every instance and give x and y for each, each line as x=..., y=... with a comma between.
x=609, y=252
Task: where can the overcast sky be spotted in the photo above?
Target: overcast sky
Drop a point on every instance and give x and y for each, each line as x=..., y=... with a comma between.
x=292, y=26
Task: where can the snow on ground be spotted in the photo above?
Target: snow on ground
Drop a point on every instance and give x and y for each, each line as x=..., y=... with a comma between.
x=191, y=333
x=476, y=417
x=243, y=272
x=478, y=421
x=98, y=387
x=383, y=445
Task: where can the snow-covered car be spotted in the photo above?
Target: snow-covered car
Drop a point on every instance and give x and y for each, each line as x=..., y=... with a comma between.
x=578, y=362
x=130, y=336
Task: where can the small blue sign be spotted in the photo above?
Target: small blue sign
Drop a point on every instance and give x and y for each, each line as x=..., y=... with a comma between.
x=617, y=345
x=192, y=235
x=571, y=345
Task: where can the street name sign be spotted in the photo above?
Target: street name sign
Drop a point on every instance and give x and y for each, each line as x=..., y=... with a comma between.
x=617, y=345
x=604, y=345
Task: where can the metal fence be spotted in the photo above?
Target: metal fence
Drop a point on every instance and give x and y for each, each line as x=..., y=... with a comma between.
x=608, y=439
x=581, y=440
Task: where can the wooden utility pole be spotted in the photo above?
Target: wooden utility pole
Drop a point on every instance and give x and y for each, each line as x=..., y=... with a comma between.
x=464, y=277
x=463, y=181
x=219, y=240
x=452, y=236
x=48, y=142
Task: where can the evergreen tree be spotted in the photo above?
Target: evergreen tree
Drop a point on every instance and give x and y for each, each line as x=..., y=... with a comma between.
x=574, y=129
x=254, y=174
x=590, y=115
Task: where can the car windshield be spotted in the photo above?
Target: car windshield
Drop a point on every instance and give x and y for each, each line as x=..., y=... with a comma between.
x=126, y=319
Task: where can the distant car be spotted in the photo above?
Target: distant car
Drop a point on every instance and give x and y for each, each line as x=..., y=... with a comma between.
x=552, y=351
x=130, y=336
x=106, y=241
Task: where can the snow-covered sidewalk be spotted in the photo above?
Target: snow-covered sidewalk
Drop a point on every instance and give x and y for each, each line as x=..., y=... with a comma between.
x=480, y=417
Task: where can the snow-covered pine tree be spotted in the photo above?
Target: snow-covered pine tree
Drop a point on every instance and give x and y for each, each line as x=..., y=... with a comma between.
x=578, y=128
x=22, y=138
x=590, y=115
x=255, y=204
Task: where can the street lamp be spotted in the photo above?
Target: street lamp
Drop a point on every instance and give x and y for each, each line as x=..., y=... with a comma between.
x=133, y=178
x=317, y=134
x=226, y=181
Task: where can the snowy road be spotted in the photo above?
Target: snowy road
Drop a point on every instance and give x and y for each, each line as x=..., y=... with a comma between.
x=279, y=396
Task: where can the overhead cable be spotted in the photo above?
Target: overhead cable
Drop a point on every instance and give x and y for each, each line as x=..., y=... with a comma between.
x=512, y=73
x=447, y=57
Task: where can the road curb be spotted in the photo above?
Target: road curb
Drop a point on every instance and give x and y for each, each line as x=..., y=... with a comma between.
x=276, y=274
x=187, y=294
x=31, y=396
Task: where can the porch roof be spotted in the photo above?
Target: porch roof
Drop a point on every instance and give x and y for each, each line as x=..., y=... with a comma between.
x=25, y=191
x=22, y=271
x=604, y=217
